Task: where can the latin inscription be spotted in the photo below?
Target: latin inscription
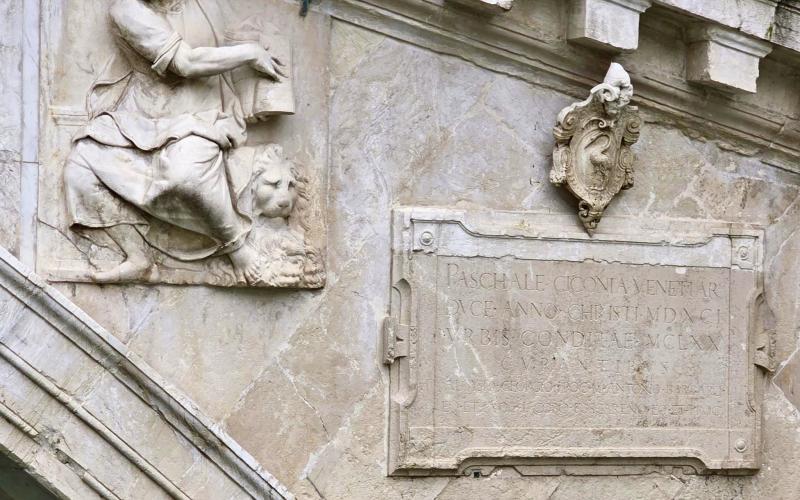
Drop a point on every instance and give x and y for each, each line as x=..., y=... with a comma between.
x=514, y=339
x=567, y=344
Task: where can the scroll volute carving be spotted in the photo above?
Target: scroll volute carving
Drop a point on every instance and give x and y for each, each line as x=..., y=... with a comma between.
x=593, y=156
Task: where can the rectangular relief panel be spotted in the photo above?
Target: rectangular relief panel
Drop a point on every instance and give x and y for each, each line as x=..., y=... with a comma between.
x=211, y=180
x=516, y=339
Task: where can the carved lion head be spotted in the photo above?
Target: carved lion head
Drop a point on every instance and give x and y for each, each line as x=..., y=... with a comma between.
x=275, y=183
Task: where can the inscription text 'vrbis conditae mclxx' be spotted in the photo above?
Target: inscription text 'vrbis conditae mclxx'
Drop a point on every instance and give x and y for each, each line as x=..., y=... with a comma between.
x=588, y=341
x=558, y=345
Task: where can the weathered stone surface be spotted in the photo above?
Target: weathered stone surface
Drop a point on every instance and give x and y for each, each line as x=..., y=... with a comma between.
x=10, y=203
x=486, y=5
x=11, y=83
x=724, y=58
x=236, y=215
x=73, y=395
x=788, y=379
x=439, y=139
x=754, y=17
x=611, y=25
x=422, y=103
x=11, y=50
x=503, y=338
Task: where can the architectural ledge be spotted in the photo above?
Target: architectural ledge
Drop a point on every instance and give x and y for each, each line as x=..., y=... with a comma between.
x=507, y=44
x=752, y=17
x=490, y=6
x=611, y=25
x=724, y=58
x=88, y=419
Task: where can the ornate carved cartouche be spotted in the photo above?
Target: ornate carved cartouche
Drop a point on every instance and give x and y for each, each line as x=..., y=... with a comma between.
x=593, y=156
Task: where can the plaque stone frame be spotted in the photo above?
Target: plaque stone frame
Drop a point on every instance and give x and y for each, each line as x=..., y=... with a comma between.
x=433, y=430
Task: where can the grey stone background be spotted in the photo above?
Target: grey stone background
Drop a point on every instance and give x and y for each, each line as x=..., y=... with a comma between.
x=295, y=376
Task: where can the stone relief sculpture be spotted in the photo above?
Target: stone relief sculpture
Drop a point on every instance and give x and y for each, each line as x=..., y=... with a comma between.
x=160, y=174
x=592, y=156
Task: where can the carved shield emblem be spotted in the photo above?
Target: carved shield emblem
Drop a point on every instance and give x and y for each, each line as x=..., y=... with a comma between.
x=592, y=156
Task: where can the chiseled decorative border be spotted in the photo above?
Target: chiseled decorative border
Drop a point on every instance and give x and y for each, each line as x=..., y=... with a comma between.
x=174, y=408
x=428, y=232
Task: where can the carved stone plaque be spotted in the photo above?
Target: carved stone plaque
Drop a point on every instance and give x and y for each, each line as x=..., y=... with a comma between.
x=516, y=339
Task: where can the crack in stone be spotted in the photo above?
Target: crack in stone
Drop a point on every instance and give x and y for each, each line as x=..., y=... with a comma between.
x=311, y=482
x=784, y=366
x=357, y=407
x=290, y=377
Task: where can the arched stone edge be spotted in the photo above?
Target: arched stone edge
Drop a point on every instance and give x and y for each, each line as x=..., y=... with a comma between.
x=176, y=409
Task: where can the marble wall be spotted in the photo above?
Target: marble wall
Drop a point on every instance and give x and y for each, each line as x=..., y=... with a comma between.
x=423, y=114
x=11, y=124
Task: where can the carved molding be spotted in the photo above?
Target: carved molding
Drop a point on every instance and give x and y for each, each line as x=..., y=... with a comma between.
x=611, y=25
x=91, y=384
x=503, y=45
x=724, y=58
x=592, y=157
x=454, y=404
x=491, y=6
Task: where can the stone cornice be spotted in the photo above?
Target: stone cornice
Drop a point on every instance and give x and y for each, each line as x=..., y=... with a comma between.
x=723, y=57
x=491, y=6
x=729, y=38
x=635, y=5
x=752, y=17
x=503, y=45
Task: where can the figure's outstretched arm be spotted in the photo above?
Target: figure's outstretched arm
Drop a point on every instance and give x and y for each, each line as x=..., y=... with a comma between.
x=149, y=34
x=196, y=62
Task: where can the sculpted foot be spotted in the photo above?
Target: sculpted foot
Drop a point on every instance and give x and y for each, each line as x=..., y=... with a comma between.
x=245, y=263
x=133, y=268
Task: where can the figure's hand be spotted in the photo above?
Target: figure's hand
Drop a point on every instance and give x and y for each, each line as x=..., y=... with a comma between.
x=268, y=65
